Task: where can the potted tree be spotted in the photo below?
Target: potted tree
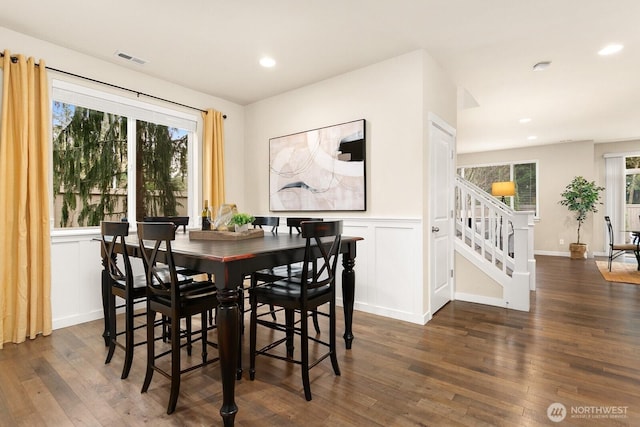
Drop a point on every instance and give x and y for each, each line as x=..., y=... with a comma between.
x=581, y=197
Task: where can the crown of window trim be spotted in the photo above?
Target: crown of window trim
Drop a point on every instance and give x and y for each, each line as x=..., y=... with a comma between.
x=138, y=93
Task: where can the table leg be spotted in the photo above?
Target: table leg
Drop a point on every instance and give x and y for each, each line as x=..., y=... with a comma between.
x=348, y=294
x=228, y=338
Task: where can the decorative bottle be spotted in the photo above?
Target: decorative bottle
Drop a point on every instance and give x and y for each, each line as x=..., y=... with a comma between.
x=206, y=216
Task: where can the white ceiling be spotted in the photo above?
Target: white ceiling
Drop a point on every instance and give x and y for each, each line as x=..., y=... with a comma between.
x=487, y=46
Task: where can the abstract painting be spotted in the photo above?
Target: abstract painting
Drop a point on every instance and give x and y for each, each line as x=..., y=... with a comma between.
x=319, y=170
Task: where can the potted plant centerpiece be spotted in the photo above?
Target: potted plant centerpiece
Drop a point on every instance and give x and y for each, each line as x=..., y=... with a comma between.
x=241, y=221
x=580, y=196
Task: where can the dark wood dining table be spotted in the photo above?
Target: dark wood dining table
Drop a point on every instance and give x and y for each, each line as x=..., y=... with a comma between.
x=636, y=241
x=229, y=262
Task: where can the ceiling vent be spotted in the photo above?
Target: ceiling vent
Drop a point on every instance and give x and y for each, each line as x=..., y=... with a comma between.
x=131, y=58
x=541, y=66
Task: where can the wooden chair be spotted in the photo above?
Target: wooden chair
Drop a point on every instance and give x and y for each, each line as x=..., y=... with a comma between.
x=313, y=288
x=288, y=270
x=267, y=221
x=294, y=223
x=175, y=300
x=617, y=249
x=132, y=289
x=178, y=221
x=260, y=221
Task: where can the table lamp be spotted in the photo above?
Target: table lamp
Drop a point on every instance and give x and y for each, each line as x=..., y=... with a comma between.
x=504, y=189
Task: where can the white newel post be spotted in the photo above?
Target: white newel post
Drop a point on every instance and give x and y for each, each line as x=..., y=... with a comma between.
x=517, y=294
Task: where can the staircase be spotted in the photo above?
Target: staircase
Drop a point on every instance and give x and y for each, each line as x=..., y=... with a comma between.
x=497, y=240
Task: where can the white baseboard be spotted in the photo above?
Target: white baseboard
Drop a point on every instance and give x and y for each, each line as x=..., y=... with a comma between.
x=496, y=302
x=76, y=319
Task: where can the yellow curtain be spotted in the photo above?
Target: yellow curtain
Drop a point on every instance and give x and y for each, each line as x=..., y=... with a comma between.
x=213, y=159
x=25, y=255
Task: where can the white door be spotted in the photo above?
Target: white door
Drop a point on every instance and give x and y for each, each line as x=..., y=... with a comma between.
x=442, y=149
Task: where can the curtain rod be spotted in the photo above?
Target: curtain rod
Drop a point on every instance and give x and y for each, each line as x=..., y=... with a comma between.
x=138, y=93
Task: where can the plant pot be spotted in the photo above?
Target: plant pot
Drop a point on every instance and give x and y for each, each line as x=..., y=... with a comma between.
x=578, y=250
x=241, y=228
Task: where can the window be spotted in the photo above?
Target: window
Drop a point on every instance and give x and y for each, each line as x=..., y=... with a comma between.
x=632, y=195
x=523, y=174
x=116, y=158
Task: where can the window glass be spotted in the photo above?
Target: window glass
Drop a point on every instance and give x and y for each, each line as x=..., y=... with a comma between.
x=633, y=180
x=632, y=194
x=523, y=174
x=116, y=158
x=161, y=154
x=484, y=176
x=89, y=166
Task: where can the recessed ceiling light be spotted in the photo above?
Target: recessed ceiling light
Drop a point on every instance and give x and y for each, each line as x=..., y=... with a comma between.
x=540, y=66
x=532, y=137
x=610, y=49
x=267, y=62
x=524, y=120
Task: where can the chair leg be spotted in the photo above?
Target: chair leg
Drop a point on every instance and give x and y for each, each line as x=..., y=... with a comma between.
x=151, y=343
x=166, y=328
x=111, y=306
x=304, y=353
x=188, y=323
x=332, y=337
x=289, y=321
x=204, y=336
x=316, y=324
x=252, y=338
x=129, y=345
x=175, y=364
x=240, y=335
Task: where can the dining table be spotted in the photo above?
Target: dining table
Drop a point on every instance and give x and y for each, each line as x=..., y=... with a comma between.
x=229, y=262
x=635, y=239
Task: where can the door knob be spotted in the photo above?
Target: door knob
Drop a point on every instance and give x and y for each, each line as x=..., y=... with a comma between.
x=434, y=229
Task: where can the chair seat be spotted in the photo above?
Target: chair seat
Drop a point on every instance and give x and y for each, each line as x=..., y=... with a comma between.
x=191, y=290
x=625, y=247
x=140, y=281
x=279, y=272
x=287, y=290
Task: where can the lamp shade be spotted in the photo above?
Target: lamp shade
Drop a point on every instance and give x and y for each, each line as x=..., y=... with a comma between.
x=505, y=188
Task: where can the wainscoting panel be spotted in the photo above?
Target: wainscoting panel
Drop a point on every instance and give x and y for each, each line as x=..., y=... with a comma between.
x=389, y=268
x=76, y=280
x=389, y=272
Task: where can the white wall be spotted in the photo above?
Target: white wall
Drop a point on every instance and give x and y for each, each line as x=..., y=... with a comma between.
x=388, y=95
x=394, y=97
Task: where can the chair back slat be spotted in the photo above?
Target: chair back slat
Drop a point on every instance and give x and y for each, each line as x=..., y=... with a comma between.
x=112, y=236
x=295, y=222
x=323, y=238
x=176, y=220
x=267, y=221
x=162, y=278
x=609, y=229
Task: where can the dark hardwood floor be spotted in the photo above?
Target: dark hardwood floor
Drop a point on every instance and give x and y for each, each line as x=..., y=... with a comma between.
x=471, y=365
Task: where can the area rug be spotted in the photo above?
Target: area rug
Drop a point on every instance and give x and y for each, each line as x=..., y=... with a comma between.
x=620, y=272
